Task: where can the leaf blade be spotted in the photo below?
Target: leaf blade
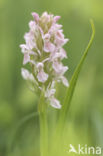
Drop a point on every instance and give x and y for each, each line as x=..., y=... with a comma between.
x=71, y=88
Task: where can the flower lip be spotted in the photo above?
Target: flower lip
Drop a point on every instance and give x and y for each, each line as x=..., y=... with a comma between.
x=41, y=76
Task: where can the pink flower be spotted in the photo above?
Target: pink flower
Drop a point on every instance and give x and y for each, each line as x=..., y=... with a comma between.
x=26, y=58
x=32, y=25
x=59, y=54
x=24, y=48
x=56, y=18
x=36, y=17
x=55, y=103
x=59, y=39
x=27, y=75
x=50, y=91
x=65, y=81
x=42, y=76
x=59, y=68
x=46, y=17
x=49, y=47
x=43, y=50
x=29, y=38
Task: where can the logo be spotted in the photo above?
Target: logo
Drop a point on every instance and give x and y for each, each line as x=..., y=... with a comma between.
x=84, y=150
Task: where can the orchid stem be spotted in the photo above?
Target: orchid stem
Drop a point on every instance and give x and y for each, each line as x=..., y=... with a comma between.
x=43, y=126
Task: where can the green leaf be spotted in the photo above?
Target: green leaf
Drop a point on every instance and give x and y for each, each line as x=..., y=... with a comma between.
x=73, y=81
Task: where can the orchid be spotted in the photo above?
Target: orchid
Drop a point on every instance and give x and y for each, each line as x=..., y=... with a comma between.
x=43, y=50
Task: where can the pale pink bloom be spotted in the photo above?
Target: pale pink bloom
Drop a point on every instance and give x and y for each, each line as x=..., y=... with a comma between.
x=54, y=28
x=65, y=81
x=55, y=103
x=62, y=53
x=42, y=76
x=58, y=26
x=32, y=25
x=26, y=58
x=45, y=14
x=36, y=17
x=43, y=49
x=46, y=17
x=46, y=37
x=59, y=68
x=56, y=18
x=27, y=75
x=40, y=65
x=50, y=92
x=60, y=34
x=24, y=48
x=59, y=39
x=29, y=38
x=49, y=47
x=59, y=54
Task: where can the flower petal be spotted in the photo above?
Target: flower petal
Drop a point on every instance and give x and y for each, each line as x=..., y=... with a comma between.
x=36, y=17
x=55, y=103
x=24, y=48
x=27, y=75
x=47, y=37
x=63, y=53
x=65, y=81
x=42, y=76
x=26, y=58
x=59, y=38
x=59, y=68
x=29, y=38
x=50, y=92
x=49, y=47
x=56, y=18
x=32, y=25
x=40, y=65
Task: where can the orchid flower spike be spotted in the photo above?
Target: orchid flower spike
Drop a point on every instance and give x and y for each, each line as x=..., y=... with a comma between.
x=43, y=50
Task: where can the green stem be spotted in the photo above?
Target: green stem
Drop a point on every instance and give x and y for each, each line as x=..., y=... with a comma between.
x=43, y=126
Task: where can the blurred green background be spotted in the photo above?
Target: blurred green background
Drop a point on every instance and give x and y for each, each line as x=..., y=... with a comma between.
x=85, y=118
